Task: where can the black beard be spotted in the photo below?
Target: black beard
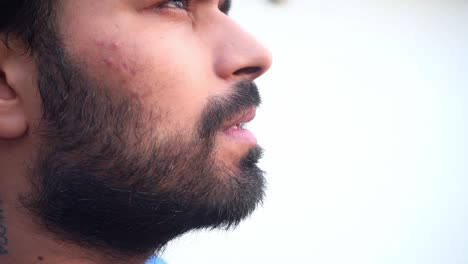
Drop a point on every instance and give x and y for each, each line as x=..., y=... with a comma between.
x=107, y=179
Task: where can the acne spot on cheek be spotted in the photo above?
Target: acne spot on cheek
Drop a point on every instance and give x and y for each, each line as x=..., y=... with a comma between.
x=116, y=58
x=115, y=45
x=109, y=62
x=129, y=70
x=125, y=66
x=107, y=44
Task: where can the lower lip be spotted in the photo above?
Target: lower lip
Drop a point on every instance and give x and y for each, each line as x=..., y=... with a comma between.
x=241, y=135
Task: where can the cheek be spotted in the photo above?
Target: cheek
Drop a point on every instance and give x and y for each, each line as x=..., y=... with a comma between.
x=122, y=67
x=114, y=61
x=170, y=79
x=166, y=67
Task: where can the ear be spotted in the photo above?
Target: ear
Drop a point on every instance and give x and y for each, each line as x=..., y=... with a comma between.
x=13, y=121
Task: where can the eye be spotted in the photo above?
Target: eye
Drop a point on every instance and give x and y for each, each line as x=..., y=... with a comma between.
x=179, y=4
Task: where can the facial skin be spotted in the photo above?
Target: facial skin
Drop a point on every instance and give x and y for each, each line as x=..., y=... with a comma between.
x=137, y=151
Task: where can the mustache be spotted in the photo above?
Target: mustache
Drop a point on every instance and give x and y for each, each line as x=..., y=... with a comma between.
x=220, y=109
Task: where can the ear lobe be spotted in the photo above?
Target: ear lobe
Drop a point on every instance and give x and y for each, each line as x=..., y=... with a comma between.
x=13, y=122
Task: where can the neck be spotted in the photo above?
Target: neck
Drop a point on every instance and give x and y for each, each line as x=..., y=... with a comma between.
x=23, y=241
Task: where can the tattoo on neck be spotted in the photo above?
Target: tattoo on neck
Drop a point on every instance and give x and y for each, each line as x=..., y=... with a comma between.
x=3, y=235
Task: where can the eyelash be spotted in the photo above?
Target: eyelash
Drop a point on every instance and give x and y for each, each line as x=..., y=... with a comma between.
x=187, y=3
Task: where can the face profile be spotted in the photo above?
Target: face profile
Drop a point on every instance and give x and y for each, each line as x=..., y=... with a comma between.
x=125, y=126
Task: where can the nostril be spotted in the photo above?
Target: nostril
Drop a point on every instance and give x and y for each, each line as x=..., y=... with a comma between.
x=248, y=71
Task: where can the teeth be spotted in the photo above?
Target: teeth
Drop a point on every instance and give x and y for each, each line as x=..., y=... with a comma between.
x=239, y=126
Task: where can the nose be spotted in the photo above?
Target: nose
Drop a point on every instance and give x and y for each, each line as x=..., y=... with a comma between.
x=238, y=55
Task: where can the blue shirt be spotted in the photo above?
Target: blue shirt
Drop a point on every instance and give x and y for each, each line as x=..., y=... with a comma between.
x=155, y=260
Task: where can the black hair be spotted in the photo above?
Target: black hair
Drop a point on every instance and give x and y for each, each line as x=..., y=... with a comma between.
x=28, y=20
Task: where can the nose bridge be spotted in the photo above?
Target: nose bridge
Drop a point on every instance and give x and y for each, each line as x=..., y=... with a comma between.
x=237, y=53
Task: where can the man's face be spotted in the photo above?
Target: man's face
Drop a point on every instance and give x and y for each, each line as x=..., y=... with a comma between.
x=172, y=55
x=141, y=142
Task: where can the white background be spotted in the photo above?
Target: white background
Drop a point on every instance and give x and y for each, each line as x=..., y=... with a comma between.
x=365, y=123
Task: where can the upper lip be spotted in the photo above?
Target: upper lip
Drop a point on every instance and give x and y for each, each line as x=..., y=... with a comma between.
x=245, y=117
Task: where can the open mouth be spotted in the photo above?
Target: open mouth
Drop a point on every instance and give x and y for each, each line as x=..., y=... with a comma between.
x=239, y=126
x=241, y=121
x=236, y=129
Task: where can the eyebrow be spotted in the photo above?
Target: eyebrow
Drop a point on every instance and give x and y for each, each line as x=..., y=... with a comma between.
x=225, y=6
